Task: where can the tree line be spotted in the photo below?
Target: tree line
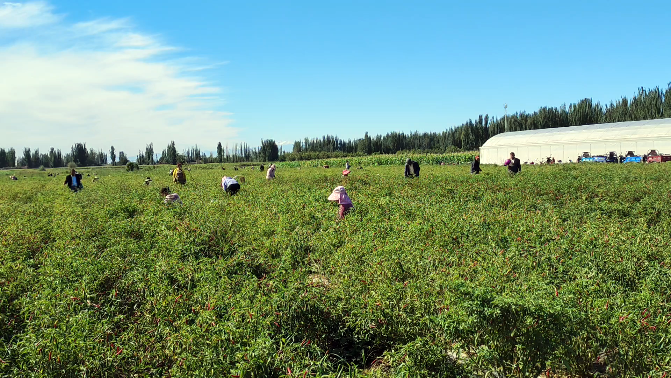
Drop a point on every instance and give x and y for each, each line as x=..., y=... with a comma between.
x=646, y=104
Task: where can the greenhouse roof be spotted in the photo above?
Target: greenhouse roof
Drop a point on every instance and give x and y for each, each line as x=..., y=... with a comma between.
x=651, y=129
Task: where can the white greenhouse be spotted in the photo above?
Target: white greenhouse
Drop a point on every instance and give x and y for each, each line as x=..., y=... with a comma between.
x=567, y=143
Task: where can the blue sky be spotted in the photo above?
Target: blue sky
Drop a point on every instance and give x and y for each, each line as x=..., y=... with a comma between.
x=132, y=72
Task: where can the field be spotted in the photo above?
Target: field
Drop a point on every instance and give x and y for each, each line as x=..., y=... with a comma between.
x=560, y=271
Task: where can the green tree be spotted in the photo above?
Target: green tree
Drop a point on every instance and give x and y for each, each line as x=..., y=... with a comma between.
x=112, y=155
x=11, y=158
x=123, y=160
x=35, y=159
x=268, y=150
x=666, y=107
x=80, y=154
x=148, y=154
x=220, y=153
x=3, y=158
x=27, y=158
x=170, y=154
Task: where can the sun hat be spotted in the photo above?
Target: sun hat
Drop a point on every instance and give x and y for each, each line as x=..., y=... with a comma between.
x=345, y=172
x=339, y=194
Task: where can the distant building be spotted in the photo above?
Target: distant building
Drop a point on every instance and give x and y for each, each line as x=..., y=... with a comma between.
x=567, y=143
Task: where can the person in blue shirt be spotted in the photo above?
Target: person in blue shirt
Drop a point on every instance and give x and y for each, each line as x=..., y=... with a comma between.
x=230, y=185
x=74, y=181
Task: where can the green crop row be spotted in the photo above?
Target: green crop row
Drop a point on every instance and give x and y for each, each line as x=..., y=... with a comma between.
x=373, y=160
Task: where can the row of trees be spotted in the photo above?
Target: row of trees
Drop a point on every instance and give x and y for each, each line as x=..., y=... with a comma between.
x=7, y=158
x=646, y=104
x=54, y=158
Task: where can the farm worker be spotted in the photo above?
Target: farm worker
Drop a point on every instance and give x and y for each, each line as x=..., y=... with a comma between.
x=411, y=168
x=178, y=175
x=147, y=181
x=230, y=185
x=170, y=198
x=74, y=181
x=475, y=166
x=271, y=172
x=347, y=166
x=261, y=168
x=340, y=195
x=346, y=172
x=513, y=164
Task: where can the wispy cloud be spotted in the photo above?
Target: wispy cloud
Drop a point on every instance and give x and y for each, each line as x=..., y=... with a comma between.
x=26, y=15
x=101, y=82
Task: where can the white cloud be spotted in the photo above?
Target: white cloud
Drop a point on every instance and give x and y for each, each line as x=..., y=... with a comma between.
x=26, y=15
x=103, y=83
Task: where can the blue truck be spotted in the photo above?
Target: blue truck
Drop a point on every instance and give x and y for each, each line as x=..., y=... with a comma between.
x=631, y=157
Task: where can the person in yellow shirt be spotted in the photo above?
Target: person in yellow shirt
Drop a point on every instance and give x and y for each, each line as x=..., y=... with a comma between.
x=178, y=175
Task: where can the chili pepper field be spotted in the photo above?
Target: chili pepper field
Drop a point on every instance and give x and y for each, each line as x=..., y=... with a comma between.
x=560, y=271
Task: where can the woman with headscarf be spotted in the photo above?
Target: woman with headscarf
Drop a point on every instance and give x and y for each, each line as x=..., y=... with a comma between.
x=475, y=166
x=340, y=196
x=271, y=172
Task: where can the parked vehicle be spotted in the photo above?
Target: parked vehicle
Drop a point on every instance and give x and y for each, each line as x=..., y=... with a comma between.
x=587, y=158
x=612, y=157
x=631, y=157
x=656, y=157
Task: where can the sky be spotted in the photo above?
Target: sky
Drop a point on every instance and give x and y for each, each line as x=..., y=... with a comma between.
x=128, y=73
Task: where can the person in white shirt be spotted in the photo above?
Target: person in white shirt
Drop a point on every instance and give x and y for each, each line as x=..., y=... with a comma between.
x=230, y=185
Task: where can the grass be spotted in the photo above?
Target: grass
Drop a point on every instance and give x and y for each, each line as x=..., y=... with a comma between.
x=562, y=271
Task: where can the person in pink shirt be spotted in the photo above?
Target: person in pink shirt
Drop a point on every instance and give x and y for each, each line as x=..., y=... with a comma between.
x=170, y=198
x=340, y=196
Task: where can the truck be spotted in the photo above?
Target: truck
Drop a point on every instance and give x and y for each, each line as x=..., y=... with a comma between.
x=588, y=158
x=656, y=157
x=612, y=157
x=631, y=157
